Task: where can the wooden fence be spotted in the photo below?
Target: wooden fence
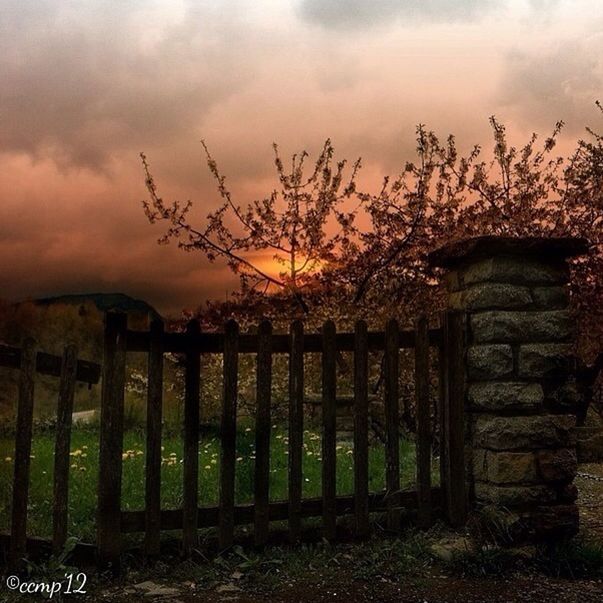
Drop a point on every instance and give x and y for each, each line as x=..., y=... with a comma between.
x=449, y=497
x=69, y=369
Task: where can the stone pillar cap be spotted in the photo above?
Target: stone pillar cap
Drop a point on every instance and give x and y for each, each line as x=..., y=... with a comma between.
x=557, y=248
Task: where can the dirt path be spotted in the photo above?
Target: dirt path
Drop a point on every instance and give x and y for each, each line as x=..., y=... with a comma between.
x=426, y=589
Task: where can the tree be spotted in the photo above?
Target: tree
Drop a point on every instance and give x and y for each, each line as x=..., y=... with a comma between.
x=329, y=265
x=303, y=223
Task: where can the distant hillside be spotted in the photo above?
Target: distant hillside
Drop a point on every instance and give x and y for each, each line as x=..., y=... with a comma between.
x=103, y=302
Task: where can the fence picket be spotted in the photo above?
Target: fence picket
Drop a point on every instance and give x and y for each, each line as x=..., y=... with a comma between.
x=191, y=443
x=361, y=487
x=153, y=452
x=296, y=426
x=423, y=422
x=262, y=433
x=329, y=458
x=443, y=427
x=61, y=448
x=229, y=433
x=392, y=413
x=456, y=490
x=18, y=540
x=111, y=440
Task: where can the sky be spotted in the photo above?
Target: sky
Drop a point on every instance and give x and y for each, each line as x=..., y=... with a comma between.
x=86, y=86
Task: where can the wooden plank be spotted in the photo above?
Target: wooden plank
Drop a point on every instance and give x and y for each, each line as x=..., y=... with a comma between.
x=229, y=433
x=213, y=343
x=153, y=451
x=443, y=423
x=262, y=433
x=47, y=364
x=361, y=408
x=392, y=413
x=423, y=422
x=296, y=426
x=171, y=519
x=18, y=542
x=329, y=454
x=62, y=446
x=457, y=492
x=191, y=443
x=111, y=440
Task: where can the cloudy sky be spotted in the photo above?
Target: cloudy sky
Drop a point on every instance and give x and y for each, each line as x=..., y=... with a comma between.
x=85, y=86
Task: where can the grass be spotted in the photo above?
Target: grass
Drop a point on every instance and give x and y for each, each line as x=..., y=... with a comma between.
x=84, y=470
x=580, y=557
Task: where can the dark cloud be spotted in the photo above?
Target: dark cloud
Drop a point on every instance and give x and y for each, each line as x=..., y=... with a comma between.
x=82, y=81
x=356, y=14
x=102, y=255
x=562, y=83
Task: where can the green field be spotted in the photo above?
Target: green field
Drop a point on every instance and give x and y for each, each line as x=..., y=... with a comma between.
x=84, y=469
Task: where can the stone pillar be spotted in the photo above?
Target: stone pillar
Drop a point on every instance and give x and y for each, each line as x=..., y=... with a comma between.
x=519, y=364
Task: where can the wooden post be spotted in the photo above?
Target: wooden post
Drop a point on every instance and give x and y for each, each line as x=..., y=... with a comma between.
x=392, y=414
x=18, y=540
x=329, y=458
x=423, y=421
x=296, y=426
x=191, y=441
x=111, y=441
x=61, y=448
x=361, y=488
x=443, y=420
x=262, y=433
x=153, y=452
x=229, y=434
x=456, y=491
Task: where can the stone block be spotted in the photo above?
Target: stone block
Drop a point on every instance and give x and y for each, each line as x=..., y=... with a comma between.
x=489, y=361
x=517, y=270
x=491, y=296
x=514, y=496
x=557, y=465
x=504, y=395
x=550, y=298
x=452, y=280
x=530, y=432
x=551, y=522
x=446, y=549
x=518, y=327
x=505, y=467
x=545, y=360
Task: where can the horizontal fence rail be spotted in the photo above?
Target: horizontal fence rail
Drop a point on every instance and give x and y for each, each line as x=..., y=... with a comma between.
x=208, y=516
x=47, y=364
x=213, y=343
